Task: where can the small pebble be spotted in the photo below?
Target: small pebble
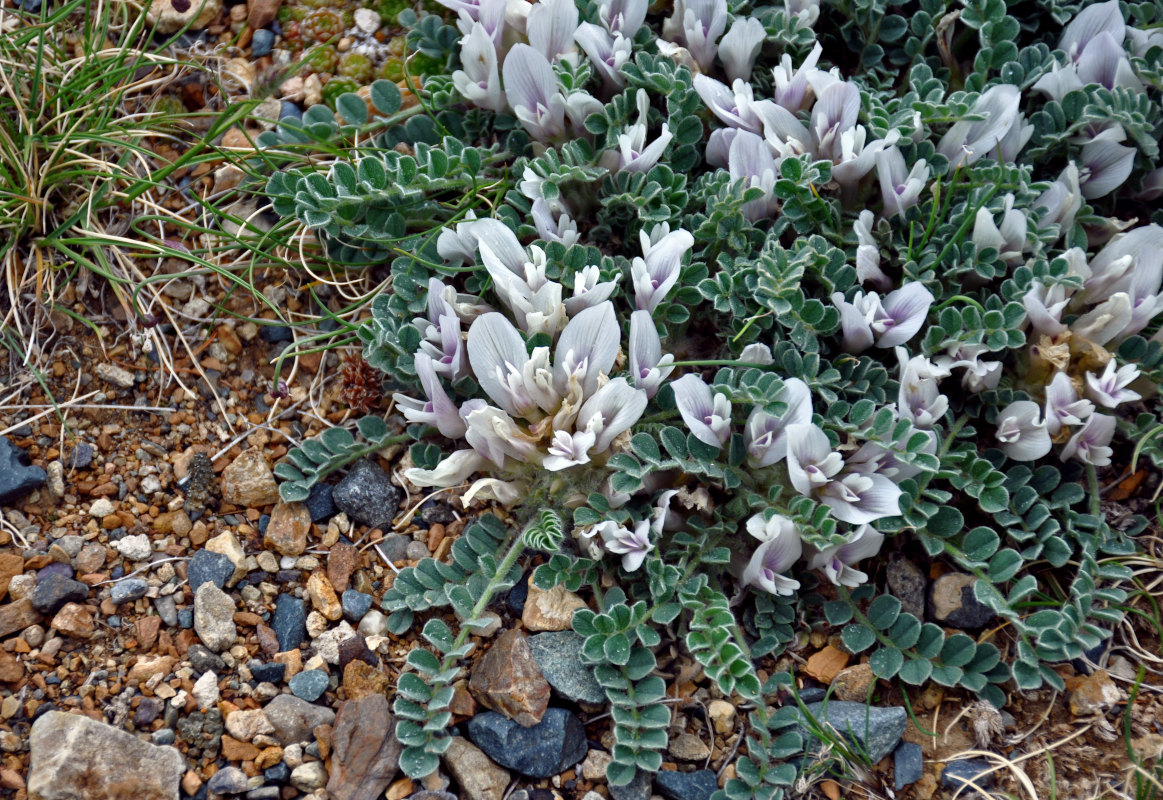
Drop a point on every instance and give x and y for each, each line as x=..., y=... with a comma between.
x=261, y=43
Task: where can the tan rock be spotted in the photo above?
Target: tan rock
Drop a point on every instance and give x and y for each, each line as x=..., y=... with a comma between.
x=11, y=670
x=249, y=482
x=261, y=13
x=722, y=716
x=11, y=565
x=688, y=747
x=365, y=753
x=323, y=596
x=852, y=683
x=167, y=19
x=342, y=560
x=508, y=680
x=1095, y=694
x=147, y=631
x=550, y=610
x=361, y=679
x=17, y=616
x=826, y=664
x=287, y=530
x=478, y=776
x=191, y=782
x=74, y=620
x=235, y=750
x=226, y=544
x=148, y=666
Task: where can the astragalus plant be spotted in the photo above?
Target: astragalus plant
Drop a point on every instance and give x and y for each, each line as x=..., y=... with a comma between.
x=756, y=295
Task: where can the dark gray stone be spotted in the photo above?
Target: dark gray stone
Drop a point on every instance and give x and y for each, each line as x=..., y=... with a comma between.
x=558, y=654
x=128, y=590
x=395, y=546
x=697, y=785
x=273, y=334
x=268, y=673
x=967, y=773
x=206, y=566
x=320, y=504
x=54, y=591
x=279, y=773
x=366, y=495
x=149, y=710
x=355, y=604
x=637, y=789
x=908, y=584
x=230, y=780
x=289, y=622
x=515, y=600
x=953, y=603
x=162, y=737
x=16, y=477
x=261, y=43
x=873, y=730
x=907, y=764
x=434, y=512
x=309, y=685
x=541, y=751
x=167, y=609
x=55, y=568
x=82, y=455
x=204, y=660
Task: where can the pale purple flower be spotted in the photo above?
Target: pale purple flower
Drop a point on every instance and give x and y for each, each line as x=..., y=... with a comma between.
x=1090, y=22
x=740, y=46
x=479, y=82
x=791, y=85
x=1106, y=321
x=1044, y=308
x=1143, y=40
x=1091, y=445
x=1106, y=165
x=567, y=450
x=451, y=471
x=780, y=547
x=969, y=140
x=837, y=562
x=719, y=146
x=1009, y=240
x=869, y=321
x=811, y=463
x=1061, y=201
x=1021, y=432
x=1130, y=262
x=536, y=301
x=706, y=413
x=656, y=273
x=868, y=253
x=496, y=436
x=606, y=51
x=858, y=498
x=835, y=111
x=736, y=106
x=765, y=435
x=1110, y=388
x=979, y=375
x=622, y=17
x=920, y=400
x=1062, y=404
x=579, y=105
x=648, y=366
x=611, y=411
x=506, y=493
x=533, y=94
x=490, y=15
x=750, y=160
x=900, y=187
x=756, y=353
x=563, y=229
x=586, y=349
x=1105, y=62
x=804, y=12
x=438, y=410
x=632, y=545
x=698, y=24
x=518, y=382
x=1059, y=81
x=853, y=156
x=550, y=27
x=588, y=290
x=633, y=154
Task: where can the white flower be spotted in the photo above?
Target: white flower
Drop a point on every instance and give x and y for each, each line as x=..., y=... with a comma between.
x=656, y=273
x=920, y=400
x=780, y=547
x=633, y=154
x=740, y=46
x=533, y=94
x=765, y=435
x=837, y=562
x=969, y=140
x=1062, y=404
x=479, y=82
x=868, y=321
x=900, y=187
x=1009, y=240
x=1022, y=434
x=648, y=366
x=1091, y=445
x=707, y=414
x=1109, y=389
x=550, y=27
x=811, y=464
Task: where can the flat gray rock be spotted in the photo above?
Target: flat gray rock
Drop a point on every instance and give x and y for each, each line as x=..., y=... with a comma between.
x=76, y=757
x=558, y=654
x=294, y=719
x=873, y=731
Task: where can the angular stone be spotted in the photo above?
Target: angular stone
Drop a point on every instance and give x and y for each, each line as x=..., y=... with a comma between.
x=287, y=530
x=907, y=765
x=361, y=679
x=323, y=597
x=11, y=565
x=1094, y=694
x=366, y=495
x=54, y=590
x=74, y=620
x=697, y=785
x=550, y=610
x=826, y=664
x=261, y=13
x=208, y=566
x=542, y=751
x=356, y=604
x=245, y=725
x=364, y=751
x=309, y=777
x=289, y=621
x=558, y=655
x=479, y=778
x=688, y=747
x=342, y=560
x=507, y=679
x=214, y=617
x=16, y=477
x=310, y=684
x=967, y=774
x=873, y=730
x=226, y=543
x=229, y=780
x=294, y=720
x=907, y=583
x=76, y=757
x=17, y=616
x=248, y=481
x=953, y=603
x=11, y=670
x=147, y=631
x=852, y=683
